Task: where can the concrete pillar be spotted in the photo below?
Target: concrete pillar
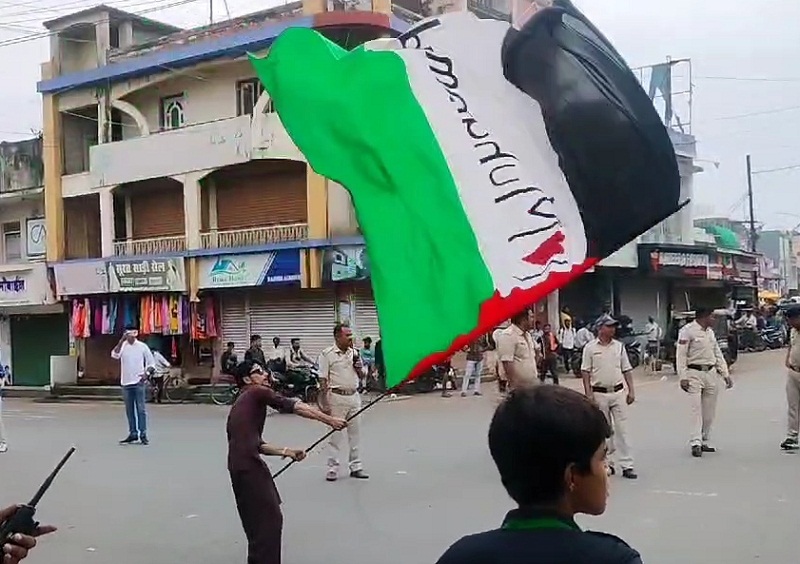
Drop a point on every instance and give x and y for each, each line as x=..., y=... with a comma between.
x=52, y=157
x=317, y=208
x=103, y=129
x=554, y=310
x=107, y=221
x=126, y=34
x=191, y=209
x=102, y=30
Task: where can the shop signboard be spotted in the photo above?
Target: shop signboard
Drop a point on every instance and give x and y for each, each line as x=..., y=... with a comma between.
x=345, y=263
x=678, y=263
x=256, y=269
x=81, y=278
x=147, y=275
x=25, y=285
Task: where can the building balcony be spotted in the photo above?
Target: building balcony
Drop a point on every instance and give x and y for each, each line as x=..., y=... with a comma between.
x=254, y=236
x=170, y=153
x=192, y=148
x=154, y=246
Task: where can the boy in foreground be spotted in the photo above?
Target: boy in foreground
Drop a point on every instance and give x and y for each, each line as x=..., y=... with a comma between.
x=257, y=498
x=549, y=445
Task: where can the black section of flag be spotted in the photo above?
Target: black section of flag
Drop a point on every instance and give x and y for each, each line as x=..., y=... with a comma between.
x=613, y=148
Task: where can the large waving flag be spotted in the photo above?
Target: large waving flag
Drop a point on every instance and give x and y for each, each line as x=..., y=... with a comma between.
x=477, y=194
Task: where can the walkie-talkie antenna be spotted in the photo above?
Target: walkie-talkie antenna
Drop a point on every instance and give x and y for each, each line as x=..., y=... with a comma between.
x=50, y=478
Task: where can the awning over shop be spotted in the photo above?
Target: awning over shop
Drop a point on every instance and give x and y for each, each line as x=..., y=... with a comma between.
x=767, y=295
x=726, y=238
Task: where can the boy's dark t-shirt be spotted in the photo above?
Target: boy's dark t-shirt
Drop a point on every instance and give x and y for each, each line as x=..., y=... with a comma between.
x=562, y=545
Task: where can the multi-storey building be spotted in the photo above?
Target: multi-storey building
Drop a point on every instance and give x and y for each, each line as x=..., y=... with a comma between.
x=33, y=326
x=175, y=199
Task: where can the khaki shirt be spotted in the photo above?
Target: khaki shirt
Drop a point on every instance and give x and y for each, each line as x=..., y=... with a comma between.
x=336, y=366
x=516, y=346
x=698, y=346
x=605, y=364
x=794, y=349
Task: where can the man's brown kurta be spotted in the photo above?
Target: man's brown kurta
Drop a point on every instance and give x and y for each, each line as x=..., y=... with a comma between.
x=257, y=498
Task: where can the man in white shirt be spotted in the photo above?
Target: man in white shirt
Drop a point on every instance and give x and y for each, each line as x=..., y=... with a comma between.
x=566, y=336
x=652, y=332
x=606, y=374
x=136, y=363
x=162, y=367
x=583, y=337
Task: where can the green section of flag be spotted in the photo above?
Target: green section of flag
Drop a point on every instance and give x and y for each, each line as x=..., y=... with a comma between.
x=356, y=119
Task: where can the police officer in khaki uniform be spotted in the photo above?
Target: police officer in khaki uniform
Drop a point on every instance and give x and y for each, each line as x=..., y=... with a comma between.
x=793, y=381
x=517, y=352
x=606, y=371
x=699, y=364
x=339, y=368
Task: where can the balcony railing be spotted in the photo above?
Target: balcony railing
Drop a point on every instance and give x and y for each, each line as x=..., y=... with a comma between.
x=154, y=246
x=254, y=236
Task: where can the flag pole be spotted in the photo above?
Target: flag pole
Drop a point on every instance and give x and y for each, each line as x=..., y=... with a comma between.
x=324, y=437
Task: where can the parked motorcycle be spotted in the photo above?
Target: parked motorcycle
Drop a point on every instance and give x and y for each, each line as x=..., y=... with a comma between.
x=302, y=383
x=773, y=337
x=428, y=381
x=634, y=350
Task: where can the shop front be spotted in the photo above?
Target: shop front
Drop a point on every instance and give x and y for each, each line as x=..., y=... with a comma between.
x=346, y=269
x=105, y=297
x=260, y=293
x=33, y=326
x=694, y=275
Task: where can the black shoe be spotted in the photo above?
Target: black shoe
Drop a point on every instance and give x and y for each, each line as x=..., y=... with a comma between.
x=144, y=440
x=706, y=448
x=359, y=474
x=791, y=443
x=129, y=440
x=629, y=473
x=697, y=451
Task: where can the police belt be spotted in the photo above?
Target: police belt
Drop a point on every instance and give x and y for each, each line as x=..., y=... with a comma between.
x=605, y=390
x=341, y=392
x=701, y=367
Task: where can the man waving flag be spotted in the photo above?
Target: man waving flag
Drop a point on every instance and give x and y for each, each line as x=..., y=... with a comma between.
x=488, y=166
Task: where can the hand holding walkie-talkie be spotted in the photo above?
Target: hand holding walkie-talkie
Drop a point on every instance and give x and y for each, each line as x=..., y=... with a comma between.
x=18, y=529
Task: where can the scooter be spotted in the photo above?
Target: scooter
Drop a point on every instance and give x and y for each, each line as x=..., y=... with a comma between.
x=634, y=350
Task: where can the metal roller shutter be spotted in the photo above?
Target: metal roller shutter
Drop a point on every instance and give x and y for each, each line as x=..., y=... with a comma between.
x=272, y=193
x=235, y=322
x=307, y=314
x=366, y=315
x=157, y=209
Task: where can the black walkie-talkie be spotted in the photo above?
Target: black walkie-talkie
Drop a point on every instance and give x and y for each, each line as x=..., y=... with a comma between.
x=21, y=522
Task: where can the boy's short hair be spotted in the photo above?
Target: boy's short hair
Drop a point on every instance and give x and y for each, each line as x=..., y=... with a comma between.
x=254, y=338
x=536, y=433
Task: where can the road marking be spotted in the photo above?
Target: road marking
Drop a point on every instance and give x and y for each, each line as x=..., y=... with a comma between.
x=687, y=494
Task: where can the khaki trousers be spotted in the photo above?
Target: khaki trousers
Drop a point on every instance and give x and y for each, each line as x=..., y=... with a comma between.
x=704, y=390
x=615, y=410
x=793, y=403
x=344, y=407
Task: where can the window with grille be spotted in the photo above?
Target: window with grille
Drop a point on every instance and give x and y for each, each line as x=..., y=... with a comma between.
x=172, y=112
x=12, y=241
x=247, y=94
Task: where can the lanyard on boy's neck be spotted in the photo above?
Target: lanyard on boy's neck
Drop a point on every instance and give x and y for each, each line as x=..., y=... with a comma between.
x=538, y=523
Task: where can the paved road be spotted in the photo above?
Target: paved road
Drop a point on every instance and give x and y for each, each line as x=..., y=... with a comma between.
x=432, y=481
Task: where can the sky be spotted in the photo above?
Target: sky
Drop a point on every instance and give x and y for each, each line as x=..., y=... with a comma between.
x=745, y=69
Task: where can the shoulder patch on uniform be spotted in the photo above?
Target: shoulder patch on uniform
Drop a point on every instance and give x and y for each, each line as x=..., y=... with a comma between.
x=683, y=342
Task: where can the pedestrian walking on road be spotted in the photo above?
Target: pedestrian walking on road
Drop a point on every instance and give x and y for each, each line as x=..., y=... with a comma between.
x=793, y=381
x=700, y=364
x=606, y=373
x=339, y=367
x=136, y=364
x=475, y=355
x=257, y=498
x=549, y=446
x=566, y=338
x=518, y=352
x=549, y=345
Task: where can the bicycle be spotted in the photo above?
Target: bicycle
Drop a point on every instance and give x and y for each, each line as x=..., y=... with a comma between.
x=176, y=388
x=224, y=391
